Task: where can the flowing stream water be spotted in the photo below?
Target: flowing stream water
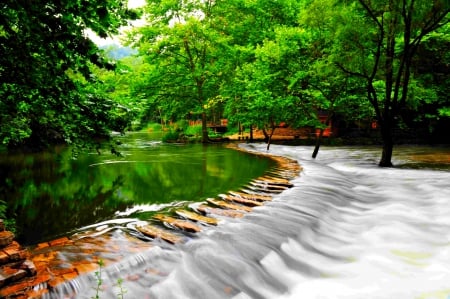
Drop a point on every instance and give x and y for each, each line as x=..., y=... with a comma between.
x=347, y=229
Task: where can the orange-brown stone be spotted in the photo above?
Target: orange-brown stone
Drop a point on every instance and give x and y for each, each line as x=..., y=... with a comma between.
x=227, y=205
x=34, y=294
x=29, y=266
x=14, y=253
x=6, y=237
x=4, y=258
x=42, y=245
x=85, y=267
x=218, y=211
x=70, y=276
x=59, y=242
x=9, y=274
x=61, y=271
x=196, y=217
x=241, y=200
x=181, y=224
x=14, y=291
x=53, y=283
x=43, y=277
x=155, y=232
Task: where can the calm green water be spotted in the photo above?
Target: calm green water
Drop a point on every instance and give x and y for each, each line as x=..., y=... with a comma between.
x=51, y=194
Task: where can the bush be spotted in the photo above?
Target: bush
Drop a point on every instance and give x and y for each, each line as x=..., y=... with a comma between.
x=10, y=224
x=171, y=136
x=153, y=127
x=193, y=130
x=181, y=125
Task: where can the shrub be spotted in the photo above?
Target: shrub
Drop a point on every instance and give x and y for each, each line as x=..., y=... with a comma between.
x=171, y=136
x=153, y=127
x=193, y=130
x=10, y=224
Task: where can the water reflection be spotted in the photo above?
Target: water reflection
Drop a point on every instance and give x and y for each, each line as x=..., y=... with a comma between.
x=51, y=194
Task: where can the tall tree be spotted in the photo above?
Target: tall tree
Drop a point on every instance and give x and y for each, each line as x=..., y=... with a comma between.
x=45, y=95
x=186, y=43
x=377, y=42
x=266, y=92
x=331, y=91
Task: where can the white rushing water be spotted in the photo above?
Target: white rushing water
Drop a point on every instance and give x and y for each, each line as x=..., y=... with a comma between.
x=347, y=229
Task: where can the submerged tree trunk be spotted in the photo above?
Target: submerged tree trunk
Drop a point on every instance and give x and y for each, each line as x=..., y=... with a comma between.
x=388, y=146
x=388, y=143
x=269, y=137
x=318, y=142
x=319, y=137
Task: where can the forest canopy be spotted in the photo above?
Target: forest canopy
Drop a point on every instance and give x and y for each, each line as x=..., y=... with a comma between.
x=256, y=63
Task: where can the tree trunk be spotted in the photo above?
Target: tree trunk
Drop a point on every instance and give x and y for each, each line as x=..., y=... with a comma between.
x=318, y=142
x=251, y=133
x=266, y=136
x=269, y=140
x=388, y=146
x=204, y=128
x=319, y=137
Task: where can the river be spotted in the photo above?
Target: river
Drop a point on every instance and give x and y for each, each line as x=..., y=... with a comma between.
x=347, y=229
x=53, y=194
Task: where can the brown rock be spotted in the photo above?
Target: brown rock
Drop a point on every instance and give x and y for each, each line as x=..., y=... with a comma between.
x=42, y=245
x=196, y=217
x=15, y=253
x=29, y=266
x=241, y=200
x=218, y=211
x=85, y=267
x=258, y=197
x=4, y=258
x=6, y=237
x=53, y=283
x=59, y=242
x=14, y=291
x=178, y=223
x=227, y=205
x=35, y=294
x=155, y=232
x=9, y=274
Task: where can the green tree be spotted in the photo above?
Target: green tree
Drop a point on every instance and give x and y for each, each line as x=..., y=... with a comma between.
x=187, y=46
x=377, y=41
x=273, y=58
x=431, y=68
x=265, y=90
x=330, y=91
x=45, y=57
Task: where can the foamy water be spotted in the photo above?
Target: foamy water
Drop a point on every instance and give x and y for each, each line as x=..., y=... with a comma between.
x=347, y=229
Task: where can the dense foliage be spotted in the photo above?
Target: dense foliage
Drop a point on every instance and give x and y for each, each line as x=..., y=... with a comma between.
x=46, y=95
x=268, y=62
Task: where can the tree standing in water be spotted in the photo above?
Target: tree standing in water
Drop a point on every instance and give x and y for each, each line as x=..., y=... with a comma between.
x=377, y=42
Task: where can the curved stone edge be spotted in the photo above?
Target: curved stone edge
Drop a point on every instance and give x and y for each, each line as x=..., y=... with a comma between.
x=46, y=272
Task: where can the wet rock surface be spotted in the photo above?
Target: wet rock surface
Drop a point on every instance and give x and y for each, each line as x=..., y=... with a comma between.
x=15, y=266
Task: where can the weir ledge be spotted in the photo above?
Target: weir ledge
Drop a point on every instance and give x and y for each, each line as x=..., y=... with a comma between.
x=37, y=270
